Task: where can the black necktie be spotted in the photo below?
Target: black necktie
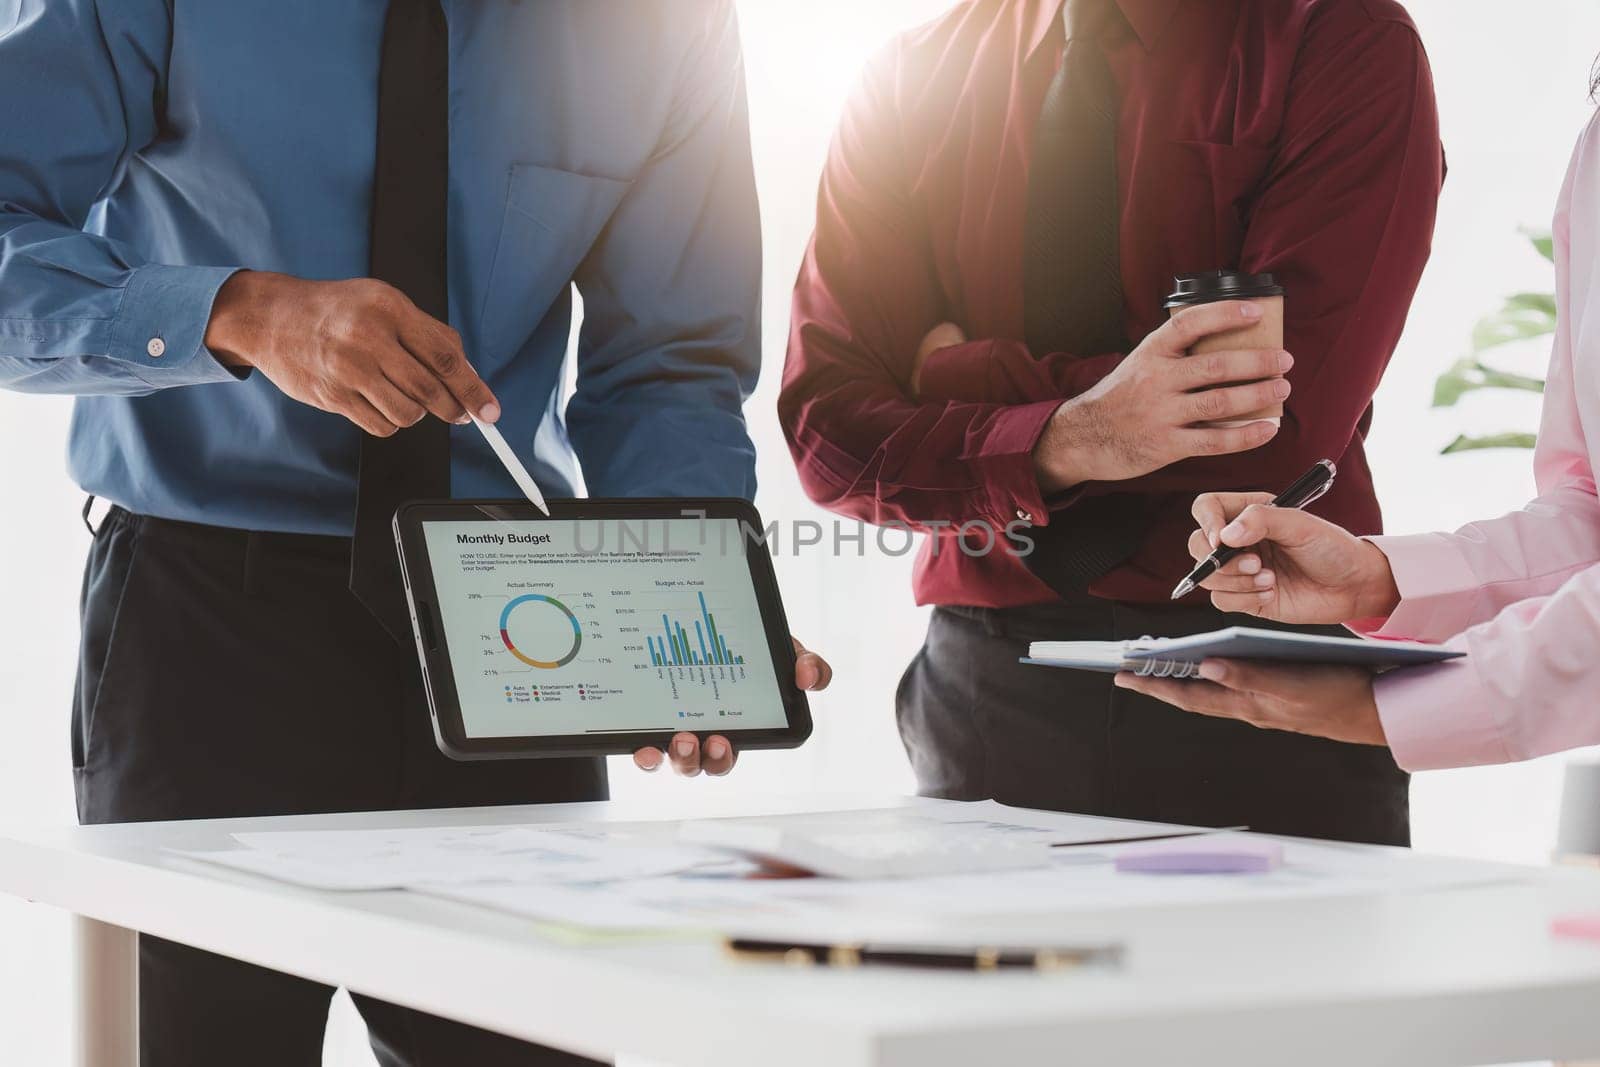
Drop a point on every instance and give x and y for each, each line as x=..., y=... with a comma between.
x=410, y=190
x=1072, y=277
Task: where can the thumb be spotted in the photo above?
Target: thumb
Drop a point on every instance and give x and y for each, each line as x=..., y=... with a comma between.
x=1288, y=527
x=1214, y=510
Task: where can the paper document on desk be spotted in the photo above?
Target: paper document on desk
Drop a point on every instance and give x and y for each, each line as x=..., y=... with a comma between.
x=562, y=852
x=1078, y=882
x=393, y=859
x=976, y=818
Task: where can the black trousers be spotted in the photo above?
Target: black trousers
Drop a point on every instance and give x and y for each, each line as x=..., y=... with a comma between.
x=225, y=673
x=978, y=725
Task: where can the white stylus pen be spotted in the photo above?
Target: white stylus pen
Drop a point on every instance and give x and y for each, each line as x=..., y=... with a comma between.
x=512, y=464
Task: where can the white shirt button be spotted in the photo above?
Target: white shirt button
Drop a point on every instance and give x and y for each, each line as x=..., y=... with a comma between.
x=157, y=348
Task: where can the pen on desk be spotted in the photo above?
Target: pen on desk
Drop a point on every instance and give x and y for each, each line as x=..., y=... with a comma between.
x=512, y=464
x=800, y=954
x=1306, y=490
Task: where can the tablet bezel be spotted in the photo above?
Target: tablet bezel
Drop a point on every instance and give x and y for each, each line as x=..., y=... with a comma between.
x=433, y=650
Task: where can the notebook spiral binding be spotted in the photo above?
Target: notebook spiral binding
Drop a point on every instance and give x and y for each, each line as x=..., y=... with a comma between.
x=1165, y=668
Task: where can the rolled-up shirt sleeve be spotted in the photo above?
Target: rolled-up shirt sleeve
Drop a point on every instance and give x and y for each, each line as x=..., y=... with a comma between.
x=864, y=445
x=81, y=313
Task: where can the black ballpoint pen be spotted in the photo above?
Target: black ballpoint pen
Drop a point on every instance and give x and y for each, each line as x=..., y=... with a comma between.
x=1306, y=490
x=800, y=954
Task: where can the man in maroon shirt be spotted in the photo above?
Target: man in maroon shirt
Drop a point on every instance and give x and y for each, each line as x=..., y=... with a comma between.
x=1296, y=137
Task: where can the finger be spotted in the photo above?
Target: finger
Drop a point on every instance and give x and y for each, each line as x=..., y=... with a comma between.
x=391, y=403
x=1253, y=677
x=1289, y=527
x=1200, y=544
x=1238, y=583
x=944, y=335
x=360, y=411
x=1200, y=697
x=1257, y=603
x=684, y=752
x=648, y=759
x=1247, y=565
x=1227, y=440
x=438, y=348
x=811, y=671
x=719, y=757
x=1213, y=511
x=1188, y=326
x=1233, y=401
x=1209, y=369
x=414, y=379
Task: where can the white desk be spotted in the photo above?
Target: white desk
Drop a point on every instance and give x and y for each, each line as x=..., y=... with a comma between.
x=1467, y=976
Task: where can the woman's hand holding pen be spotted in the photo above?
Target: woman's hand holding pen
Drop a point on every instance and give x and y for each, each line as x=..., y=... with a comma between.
x=1301, y=569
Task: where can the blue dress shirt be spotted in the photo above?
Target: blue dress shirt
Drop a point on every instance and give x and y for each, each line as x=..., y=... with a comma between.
x=148, y=150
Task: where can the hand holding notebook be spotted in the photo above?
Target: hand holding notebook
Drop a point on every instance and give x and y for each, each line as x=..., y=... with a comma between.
x=1180, y=657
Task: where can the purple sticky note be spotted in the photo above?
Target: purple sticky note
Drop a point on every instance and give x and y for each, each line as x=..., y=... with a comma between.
x=1203, y=855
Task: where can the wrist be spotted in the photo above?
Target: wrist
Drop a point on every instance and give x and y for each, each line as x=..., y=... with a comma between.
x=1060, y=459
x=237, y=315
x=1379, y=595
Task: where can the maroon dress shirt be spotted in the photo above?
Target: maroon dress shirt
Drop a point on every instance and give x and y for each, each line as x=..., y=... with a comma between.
x=1297, y=137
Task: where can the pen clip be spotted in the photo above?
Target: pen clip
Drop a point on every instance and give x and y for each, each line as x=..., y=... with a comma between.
x=1322, y=491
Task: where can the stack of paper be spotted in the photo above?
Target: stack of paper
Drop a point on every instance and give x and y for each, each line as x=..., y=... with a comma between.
x=635, y=877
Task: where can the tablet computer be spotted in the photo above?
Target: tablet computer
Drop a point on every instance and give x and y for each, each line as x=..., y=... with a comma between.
x=604, y=627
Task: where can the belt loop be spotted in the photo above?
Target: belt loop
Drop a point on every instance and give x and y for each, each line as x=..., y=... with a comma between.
x=253, y=545
x=994, y=622
x=88, y=524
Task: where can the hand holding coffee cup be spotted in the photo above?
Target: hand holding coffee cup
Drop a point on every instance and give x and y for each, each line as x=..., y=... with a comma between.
x=1161, y=404
x=1265, y=333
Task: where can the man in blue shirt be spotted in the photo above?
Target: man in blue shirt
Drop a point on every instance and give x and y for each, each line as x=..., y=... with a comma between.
x=188, y=233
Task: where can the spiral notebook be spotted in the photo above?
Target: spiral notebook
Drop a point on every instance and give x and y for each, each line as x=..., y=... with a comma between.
x=1180, y=657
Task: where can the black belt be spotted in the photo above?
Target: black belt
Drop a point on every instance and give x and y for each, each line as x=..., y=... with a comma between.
x=317, y=546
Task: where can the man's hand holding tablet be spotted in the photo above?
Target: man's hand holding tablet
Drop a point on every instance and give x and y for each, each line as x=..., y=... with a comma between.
x=717, y=757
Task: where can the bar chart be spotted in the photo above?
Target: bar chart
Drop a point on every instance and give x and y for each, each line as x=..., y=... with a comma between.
x=707, y=647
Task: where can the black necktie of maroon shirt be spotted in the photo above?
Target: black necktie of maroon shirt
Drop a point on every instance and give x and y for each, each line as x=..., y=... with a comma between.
x=1072, y=277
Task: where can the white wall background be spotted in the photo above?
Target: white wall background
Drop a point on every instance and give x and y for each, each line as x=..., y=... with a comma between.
x=1511, y=82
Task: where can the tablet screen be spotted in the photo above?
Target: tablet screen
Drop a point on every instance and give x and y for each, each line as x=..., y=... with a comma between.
x=602, y=626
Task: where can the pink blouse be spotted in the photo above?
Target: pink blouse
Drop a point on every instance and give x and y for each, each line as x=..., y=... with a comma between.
x=1519, y=594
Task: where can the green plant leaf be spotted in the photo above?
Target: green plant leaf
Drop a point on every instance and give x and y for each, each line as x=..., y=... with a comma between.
x=1542, y=302
x=1518, y=320
x=1466, y=443
x=1455, y=383
x=1470, y=375
x=1542, y=242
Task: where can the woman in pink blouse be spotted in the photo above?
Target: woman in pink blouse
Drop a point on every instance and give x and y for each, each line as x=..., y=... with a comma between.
x=1519, y=594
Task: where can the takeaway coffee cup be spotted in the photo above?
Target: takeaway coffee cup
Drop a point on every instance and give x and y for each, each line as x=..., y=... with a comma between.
x=1265, y=333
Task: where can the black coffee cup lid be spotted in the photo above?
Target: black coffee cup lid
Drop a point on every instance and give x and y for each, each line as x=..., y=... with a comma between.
x=1216, y=285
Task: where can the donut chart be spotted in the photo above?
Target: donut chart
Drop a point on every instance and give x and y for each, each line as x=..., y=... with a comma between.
x=548, y=603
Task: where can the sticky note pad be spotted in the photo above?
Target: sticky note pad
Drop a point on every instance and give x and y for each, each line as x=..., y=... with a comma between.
x=1203, y=855
x=1578, y=927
